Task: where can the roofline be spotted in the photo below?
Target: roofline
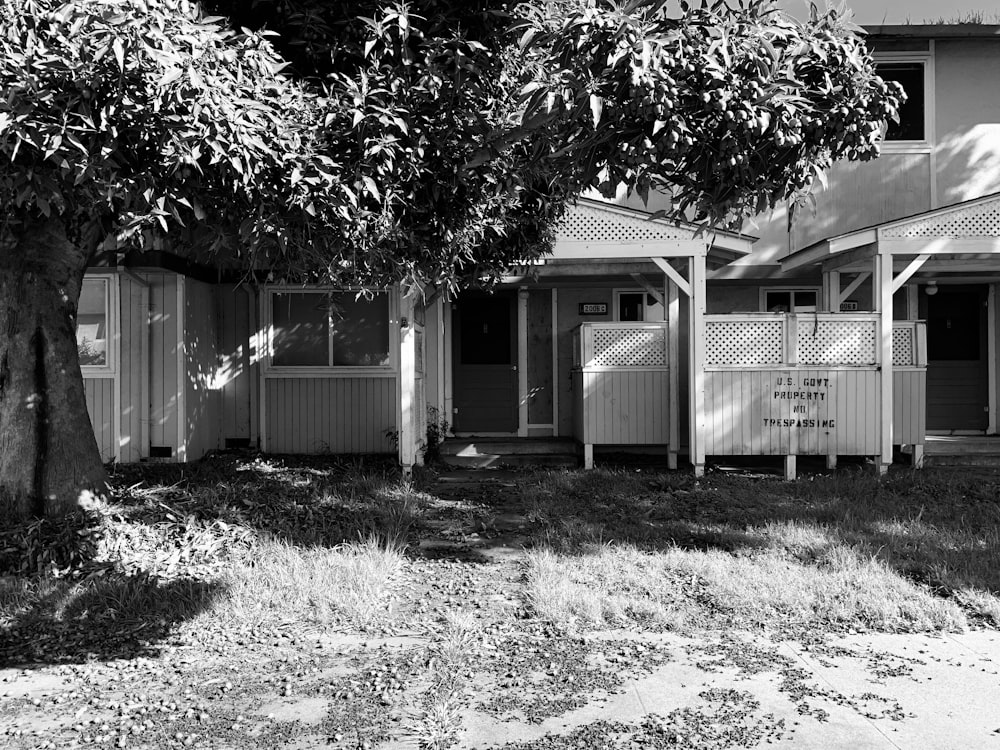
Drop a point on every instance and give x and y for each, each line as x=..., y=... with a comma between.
x=734, y=241
x=820, y=251
x=840, y=243
x=935, y=30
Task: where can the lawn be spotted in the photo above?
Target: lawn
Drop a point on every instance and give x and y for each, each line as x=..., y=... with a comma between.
x=265, y=601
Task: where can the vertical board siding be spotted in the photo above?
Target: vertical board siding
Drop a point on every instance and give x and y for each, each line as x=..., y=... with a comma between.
x=202, y=398
x=330, y=415
x=237, y=377
x=133, y=372
x=862, y=194
x=100, y=395
x=622, y=407
x=163, y=322
x=539, y=350
x=741, y=403
x=909, y=407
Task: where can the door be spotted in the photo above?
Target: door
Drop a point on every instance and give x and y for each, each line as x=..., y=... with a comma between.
x=957, y=369
x=485, y=356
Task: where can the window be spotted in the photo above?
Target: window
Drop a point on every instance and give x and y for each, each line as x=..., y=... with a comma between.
x=914, y=127
x=790, y=300
x=329, y=329
x=637, y=306
x=92, y=323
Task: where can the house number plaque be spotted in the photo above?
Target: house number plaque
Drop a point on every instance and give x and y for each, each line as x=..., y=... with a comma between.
x=593, y=308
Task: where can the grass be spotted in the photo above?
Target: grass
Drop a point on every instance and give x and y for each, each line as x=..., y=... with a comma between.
x=234, y=572
x=264, y=542
x=622, y=587
x=915, y=551
x=278, y=583
x=224, y=541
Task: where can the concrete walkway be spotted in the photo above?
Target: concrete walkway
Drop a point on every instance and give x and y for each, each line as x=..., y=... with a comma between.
x=917, y=692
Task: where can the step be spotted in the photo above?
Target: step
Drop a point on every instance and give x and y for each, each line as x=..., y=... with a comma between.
x=471, y=446
x=497, y=460
x=966, y=459
x=961, y=446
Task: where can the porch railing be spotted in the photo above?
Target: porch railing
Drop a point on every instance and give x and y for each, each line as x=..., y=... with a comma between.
x=768, y=340
x=621, y=385
x=620, y=345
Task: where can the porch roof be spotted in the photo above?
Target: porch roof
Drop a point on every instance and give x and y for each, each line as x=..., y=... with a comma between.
x=966, y=229
x=593, y=229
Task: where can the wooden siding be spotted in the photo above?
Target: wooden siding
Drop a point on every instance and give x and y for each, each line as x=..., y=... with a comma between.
x=100, y=394
x=202, y=398
x=164, y=407
x=743, y=416
x=909, y=406
x=569, y=318
x=539, y=350
x=433, y=355
x=863, y=194
x=238, y=378
x=330, y=415
x=133, y=371
x=622, y=407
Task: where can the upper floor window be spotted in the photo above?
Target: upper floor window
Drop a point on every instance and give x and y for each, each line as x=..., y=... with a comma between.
x=915, y=114
x=92, y=323
x=329, y=329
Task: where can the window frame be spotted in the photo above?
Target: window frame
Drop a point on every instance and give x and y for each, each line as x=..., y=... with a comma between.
x=926, y=59
x=110, y=367
x=616, y=312
x=793, y=290
x=309, y=371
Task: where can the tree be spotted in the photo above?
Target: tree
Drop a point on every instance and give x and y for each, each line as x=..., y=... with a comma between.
x=729, y=110
x=455, y=155
x=430, y=143
x=116, y=117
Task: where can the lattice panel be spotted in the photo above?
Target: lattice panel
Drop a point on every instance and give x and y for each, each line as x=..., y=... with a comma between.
x=836, y=342
x=629, y=347
x=902, y=347
x=744, y=342
x=589, y=224
x=980, y=220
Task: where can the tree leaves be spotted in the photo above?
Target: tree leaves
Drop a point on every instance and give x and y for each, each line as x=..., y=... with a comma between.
x=727, y=109
x=119, y=101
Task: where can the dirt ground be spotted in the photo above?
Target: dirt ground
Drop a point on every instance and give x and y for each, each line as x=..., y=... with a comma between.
x=501, y=678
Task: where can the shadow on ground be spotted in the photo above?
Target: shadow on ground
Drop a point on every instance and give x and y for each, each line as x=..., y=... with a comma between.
x=115, y=617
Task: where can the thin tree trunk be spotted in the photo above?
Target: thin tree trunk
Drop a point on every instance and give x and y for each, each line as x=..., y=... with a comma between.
x=48, y=453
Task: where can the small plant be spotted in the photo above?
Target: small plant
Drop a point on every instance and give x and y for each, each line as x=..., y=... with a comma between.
x=437, y=430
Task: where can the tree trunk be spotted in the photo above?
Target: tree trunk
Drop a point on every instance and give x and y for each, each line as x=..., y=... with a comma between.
x=48, y=453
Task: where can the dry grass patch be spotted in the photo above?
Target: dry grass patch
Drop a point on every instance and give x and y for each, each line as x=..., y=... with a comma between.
x=937, y=530
x=277, y=582
x=621, y=586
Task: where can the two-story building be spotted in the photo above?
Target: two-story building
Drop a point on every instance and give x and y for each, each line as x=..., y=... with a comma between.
x=859, y=329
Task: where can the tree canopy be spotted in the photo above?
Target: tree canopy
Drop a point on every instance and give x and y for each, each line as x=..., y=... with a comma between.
x=456, y=133
x=369, y=143
x=122, y=115
x=435, y=141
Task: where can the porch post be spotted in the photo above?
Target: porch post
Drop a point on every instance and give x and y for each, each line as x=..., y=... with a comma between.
x=522, y=362
x=883, y=285
x=697, y=273
x=407, y=385
x=672, y=309
x=831, y=290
